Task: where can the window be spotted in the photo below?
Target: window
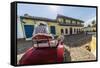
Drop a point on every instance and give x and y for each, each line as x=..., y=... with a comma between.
x=77, y=31
x=67, y=21
x=66, y=30
x=78, y=22
x=62, y=31
x=60, y=20
x=74, y=22
x=74, y=30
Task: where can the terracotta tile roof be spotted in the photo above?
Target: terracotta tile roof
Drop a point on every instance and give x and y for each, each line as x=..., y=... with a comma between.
x=47, y=19
x=62, y=16
x=38, y=18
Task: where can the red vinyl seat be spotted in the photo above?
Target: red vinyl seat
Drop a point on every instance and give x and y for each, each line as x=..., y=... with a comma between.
x=42, y=55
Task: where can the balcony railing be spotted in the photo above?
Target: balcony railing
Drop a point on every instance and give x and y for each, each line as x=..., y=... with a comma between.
x=70, y=24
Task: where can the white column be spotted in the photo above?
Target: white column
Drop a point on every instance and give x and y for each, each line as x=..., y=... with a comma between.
x=68, y=31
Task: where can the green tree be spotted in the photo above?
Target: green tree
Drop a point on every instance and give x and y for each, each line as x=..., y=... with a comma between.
x=93, y=23
x=89, y=25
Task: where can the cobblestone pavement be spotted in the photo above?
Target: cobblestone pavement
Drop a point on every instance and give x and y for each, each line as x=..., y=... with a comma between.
x=79, y=54
x=76, y=46
x=23, y=45
x=72, y=52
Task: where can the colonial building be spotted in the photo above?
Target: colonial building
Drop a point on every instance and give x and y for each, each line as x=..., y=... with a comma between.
x=62, y=24
x=89, y=29
x=68, y=25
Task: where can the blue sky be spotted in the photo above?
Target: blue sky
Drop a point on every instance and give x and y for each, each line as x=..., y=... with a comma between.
x=84, y=13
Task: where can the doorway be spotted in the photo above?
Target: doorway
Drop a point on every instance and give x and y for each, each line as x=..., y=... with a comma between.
x=70, y=30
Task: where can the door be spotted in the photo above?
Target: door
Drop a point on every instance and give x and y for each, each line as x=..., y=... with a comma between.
x=70, y=31
x=62, y=31
x=28, y=30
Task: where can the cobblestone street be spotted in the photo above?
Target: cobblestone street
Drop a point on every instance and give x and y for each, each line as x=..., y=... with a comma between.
x=80, y=54
x=74, y=48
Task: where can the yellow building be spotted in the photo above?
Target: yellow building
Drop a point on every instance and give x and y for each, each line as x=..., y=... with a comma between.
x=62, y=24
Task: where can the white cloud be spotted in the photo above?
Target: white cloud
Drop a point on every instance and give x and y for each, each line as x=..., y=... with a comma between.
x=55, y=9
